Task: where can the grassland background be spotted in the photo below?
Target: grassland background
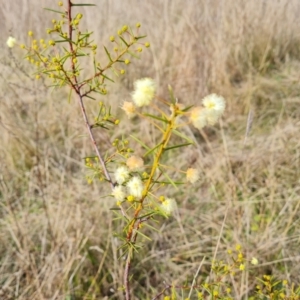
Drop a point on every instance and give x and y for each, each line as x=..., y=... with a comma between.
x=56, y=237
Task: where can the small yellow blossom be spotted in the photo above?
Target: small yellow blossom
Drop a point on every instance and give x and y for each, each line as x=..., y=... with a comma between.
x=168, y=206
x=226, y=268
x=254, y=261
x=134, y=163
x=129, y=109
x=267, y=277
x=135, y=187
x=11, y=41
x=238, y=247
x=121, y=174
x=119, y=193
x=130, y=198
x=144, y=92
x=192, y=175
x=162, y=198
x=51, y=43
x=242, y=267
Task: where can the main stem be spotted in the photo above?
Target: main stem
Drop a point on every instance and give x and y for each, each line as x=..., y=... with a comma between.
x=131, y=236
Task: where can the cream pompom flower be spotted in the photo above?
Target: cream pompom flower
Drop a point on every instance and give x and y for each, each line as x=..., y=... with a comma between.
x=134, y=163
x=121, y=174
x=198, y=117
x=192, y=175
x=168, y=206
x=135, y=187
x=254, y=261
x=119, y=193
x=214, y=106
x=11, y=41
x=213, y=109
x=129, y=109
x=144, y=91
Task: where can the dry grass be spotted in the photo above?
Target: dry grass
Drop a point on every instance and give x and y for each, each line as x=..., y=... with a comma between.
x=56, y=237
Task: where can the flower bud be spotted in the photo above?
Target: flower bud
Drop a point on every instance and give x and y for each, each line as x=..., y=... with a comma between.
x=134, y=163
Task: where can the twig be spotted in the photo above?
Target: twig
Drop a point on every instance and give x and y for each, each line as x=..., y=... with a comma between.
x=219, y=239
x=80, y=98
x=248, y=127
x=108, y=178
x=195, y=277
x=126, y=275
x=161, y=293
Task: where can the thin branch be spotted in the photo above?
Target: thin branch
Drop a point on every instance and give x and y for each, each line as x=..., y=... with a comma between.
x=248, y=127
x=162, y=292
x=126, y=275
x=195, y=277
x=80, y=98
x=108, y=178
